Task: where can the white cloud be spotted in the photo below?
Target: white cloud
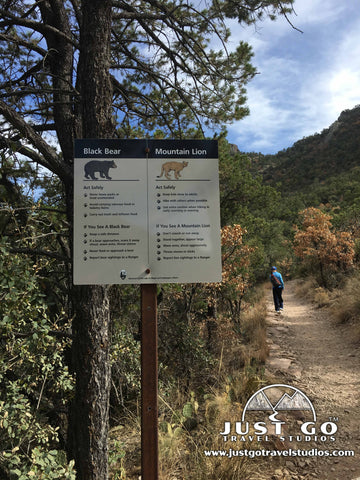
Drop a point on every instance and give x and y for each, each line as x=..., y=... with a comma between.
x=344, y=88
x=260, y=130
x=306, y=80
x=310, y=12
x=344, y=80
x=336, y=86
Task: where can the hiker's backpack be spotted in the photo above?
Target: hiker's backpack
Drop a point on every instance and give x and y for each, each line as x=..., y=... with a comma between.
x=275, y=281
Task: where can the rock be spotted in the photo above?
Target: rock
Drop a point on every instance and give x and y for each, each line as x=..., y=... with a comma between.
x=278, y=474
x=281, y=364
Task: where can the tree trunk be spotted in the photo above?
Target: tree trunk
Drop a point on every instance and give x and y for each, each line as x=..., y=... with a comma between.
x=89, y=416
x=94, y=81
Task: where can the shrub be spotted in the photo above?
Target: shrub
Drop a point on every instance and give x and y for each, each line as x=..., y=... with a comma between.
x=35, y=381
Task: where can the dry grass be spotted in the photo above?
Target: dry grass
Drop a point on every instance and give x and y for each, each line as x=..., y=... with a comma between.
x=191, y=422
x=322, y=297
x=343, y=301
x=346, y=308
x=240, y=357
x=305, y=288
x=182, y=452
x=310, y=290
x=254, y=327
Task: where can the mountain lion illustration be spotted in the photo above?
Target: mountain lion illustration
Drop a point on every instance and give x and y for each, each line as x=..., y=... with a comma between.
x=101, y=166
x=176, y=167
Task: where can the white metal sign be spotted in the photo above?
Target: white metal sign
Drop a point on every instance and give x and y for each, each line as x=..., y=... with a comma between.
x=146, y=212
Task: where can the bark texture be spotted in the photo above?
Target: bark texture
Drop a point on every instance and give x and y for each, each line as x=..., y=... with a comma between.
x=89, y=419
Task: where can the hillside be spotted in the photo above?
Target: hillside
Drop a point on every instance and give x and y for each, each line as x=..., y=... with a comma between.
x=316, y=161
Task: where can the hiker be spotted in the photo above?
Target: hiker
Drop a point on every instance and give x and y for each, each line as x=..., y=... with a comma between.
x=278, y=286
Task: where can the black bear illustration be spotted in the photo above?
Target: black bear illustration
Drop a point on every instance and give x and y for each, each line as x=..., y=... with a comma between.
x=101, y=166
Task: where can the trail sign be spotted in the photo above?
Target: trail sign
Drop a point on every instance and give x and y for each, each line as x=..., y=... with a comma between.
x=146, y=211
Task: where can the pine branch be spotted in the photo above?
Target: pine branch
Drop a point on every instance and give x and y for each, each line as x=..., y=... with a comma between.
x=48, y=158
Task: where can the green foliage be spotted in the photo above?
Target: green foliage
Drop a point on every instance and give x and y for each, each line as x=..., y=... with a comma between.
x=116, y=460
x=258, y=208
x=185, y=76
x=244, y=199
x=181, y=419
x=35, y=382
x=182, y=349
x=251, y=12
x=125, y=359
x=42, y=464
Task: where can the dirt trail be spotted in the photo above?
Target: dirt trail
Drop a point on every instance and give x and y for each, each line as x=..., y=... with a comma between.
x=310, y=352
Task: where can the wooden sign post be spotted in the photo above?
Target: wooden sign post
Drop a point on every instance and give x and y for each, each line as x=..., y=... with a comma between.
x=149, y=383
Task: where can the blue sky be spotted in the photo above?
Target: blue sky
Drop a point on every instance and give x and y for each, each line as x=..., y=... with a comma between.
x=305, y=79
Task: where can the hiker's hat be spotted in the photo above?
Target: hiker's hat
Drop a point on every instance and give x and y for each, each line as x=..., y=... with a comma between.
x=273, y=268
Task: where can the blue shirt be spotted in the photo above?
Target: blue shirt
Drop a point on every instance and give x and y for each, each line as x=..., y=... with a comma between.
x=278, y=276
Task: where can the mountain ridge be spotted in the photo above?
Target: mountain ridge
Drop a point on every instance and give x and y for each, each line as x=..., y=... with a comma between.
x=316, y=158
